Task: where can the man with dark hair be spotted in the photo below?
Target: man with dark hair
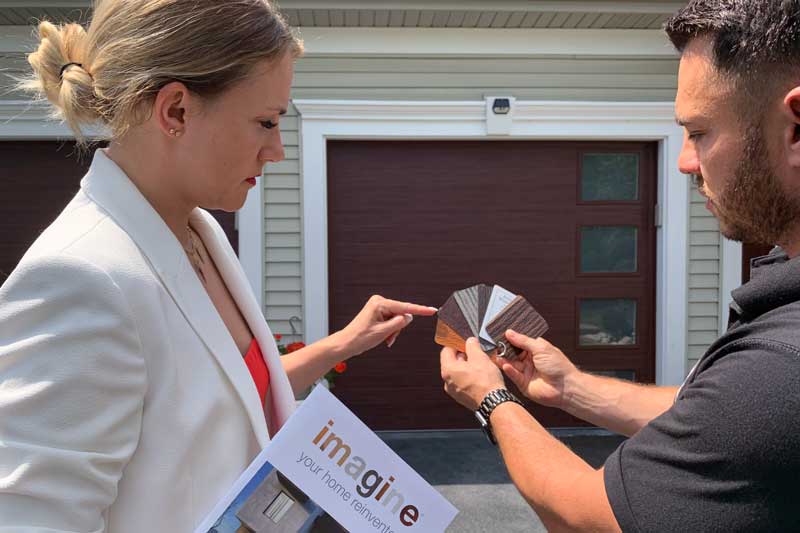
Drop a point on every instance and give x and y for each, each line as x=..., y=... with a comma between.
x=721, y=452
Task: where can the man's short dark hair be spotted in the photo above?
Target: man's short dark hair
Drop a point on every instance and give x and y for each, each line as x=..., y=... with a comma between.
x=754, y=41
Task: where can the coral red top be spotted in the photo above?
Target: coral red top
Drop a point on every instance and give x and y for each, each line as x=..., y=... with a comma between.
x=258, y=369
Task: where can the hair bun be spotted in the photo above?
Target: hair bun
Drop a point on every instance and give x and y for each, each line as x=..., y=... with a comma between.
x=109, y=73
x=59, y=73
x=65, y=66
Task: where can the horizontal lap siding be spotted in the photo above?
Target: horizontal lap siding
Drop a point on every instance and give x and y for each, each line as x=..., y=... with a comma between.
x=704, y=278
x=283, y=236
x=12, y=67
x=439, y=78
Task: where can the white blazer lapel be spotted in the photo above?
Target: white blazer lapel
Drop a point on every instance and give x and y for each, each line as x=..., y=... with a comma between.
x=108, y=185
x=281, y=394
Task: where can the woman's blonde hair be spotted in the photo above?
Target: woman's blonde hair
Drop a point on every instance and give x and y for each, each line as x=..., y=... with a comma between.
x=111, y=73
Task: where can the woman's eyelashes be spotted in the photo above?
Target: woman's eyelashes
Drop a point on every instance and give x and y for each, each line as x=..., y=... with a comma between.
x=268, y=124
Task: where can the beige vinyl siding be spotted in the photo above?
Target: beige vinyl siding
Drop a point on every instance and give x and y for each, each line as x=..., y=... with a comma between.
x=12, y=67
x=704, y=278
x=283, y=237
x=532, y=78
x=439, y=78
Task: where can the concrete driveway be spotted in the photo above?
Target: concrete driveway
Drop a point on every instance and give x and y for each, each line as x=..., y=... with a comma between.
x=469, y=472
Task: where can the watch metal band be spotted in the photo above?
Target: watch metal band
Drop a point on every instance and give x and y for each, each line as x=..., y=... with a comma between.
x=489, y=404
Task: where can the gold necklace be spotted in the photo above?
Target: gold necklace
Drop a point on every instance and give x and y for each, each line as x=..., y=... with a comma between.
x=194, y=255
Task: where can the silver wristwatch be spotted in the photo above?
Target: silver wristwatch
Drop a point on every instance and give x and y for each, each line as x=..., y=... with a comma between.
x=489, y=404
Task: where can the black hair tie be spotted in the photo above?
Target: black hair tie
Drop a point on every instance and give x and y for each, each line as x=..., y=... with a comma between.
x=61, y=74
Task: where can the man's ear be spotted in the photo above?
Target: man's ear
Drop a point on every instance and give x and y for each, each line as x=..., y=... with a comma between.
x=791, y=114
x=169, y=109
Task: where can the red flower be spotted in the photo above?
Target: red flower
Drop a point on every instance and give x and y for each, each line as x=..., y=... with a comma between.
x=278, y=337
x=340, y=367
x=293, y=347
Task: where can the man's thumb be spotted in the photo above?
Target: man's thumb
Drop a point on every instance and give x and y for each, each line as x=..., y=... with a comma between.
x=513, y=374
x=527, y=343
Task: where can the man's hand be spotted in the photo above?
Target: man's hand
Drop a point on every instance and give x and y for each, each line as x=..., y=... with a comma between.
x=541, y=372
x=469, y=377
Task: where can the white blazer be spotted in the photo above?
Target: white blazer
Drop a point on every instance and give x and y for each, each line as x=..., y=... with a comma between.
x=125, y=405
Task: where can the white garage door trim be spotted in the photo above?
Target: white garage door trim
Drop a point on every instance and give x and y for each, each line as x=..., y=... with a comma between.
x=339, y=119
x=21, y=120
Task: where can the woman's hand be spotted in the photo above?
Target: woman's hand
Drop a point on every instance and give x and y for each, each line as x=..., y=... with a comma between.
x=541, y=372
x=380, y=320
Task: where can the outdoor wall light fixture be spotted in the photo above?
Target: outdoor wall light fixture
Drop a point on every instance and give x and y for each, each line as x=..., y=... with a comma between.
x=501, y=106
x=499, y=114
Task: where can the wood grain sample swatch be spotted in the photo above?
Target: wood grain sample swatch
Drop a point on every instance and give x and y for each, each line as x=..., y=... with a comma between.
x=520, y=316
x=445, y=336
x=451, y=314
x=484, y=293
x=467, y=300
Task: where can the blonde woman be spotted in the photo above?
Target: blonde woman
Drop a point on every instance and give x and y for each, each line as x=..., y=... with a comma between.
x=138, y=377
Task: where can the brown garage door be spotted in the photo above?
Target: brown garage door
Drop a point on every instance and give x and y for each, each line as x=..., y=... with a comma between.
x=567, y=224
x=38, y=180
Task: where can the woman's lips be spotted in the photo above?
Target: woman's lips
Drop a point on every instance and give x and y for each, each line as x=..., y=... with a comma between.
x=251, y=181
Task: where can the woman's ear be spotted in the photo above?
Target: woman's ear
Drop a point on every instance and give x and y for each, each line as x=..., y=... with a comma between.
x=169, y=109
x=791, y=113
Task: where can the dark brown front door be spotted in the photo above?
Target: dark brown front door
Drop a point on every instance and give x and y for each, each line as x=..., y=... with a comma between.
x=38, y=180
x=569, y=225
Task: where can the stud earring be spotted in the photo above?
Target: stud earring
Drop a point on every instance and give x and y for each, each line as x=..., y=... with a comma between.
x=176, y=133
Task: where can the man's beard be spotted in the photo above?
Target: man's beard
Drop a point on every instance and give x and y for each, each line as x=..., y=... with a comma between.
x=754, y=207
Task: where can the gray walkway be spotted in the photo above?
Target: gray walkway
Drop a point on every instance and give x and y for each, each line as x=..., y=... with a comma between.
x=468, y=471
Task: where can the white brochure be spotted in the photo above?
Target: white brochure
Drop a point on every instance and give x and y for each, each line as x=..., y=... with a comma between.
x=326, y=471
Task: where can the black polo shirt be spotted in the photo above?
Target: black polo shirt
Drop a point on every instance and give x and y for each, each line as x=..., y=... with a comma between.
x=726, y=455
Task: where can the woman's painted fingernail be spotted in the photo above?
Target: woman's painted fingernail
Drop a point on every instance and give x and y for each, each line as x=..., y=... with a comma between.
x=391, y=341
x=409, y=318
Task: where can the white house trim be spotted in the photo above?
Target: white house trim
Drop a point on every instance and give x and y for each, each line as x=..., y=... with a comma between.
x=22, y=120
x=485, y=42
x=730, y=276
x=331, y=119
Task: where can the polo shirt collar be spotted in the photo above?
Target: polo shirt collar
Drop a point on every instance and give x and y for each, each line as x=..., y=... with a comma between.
x=774, y=282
